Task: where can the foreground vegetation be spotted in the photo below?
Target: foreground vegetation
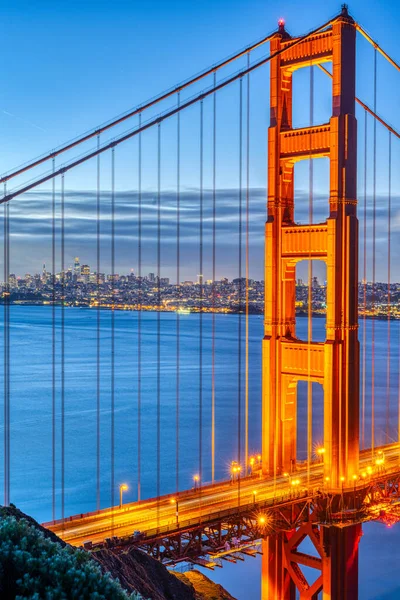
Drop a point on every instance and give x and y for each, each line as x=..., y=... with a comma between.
x=32, y=566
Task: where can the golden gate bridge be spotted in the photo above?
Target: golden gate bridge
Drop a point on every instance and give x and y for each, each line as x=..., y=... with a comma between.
x=279, y=499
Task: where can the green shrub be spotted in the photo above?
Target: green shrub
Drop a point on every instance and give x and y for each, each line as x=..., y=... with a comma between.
x=34, y=567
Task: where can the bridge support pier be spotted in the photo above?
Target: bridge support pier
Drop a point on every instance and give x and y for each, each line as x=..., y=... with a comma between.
x=335, y=559
x=287, y=359
x=340, y=562
x=276, y=583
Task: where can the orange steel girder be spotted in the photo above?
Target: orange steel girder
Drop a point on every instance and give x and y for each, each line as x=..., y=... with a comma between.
x=287, y=359
x=335, y=559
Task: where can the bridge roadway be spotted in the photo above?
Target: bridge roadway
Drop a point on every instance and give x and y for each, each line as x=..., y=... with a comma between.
x=197, y=504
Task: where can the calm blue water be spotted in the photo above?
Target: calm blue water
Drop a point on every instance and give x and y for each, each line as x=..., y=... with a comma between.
x=31, y=415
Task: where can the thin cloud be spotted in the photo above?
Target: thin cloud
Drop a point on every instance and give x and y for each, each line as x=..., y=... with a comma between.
x=6, y=112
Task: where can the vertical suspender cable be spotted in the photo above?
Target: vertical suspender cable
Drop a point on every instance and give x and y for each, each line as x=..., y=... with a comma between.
x=364, y=351
x=158, y=319
x=6, y=494
x=53, y=343
x=201, y=297
x=373, y=273
x=178, y=288
x=239, y=367
x=112, y=335
x=398, y=395
x=8, y=354
x=6, y=357
x=310, y=289
x=62, y=353
x=98, y=330
x=214, y=211
x=246, y=425
x=139, y=348
x=388, y=291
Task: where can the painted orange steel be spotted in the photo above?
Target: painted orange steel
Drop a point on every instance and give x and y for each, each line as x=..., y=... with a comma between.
x=287, y=359
x=367, y=108
x=336, y=559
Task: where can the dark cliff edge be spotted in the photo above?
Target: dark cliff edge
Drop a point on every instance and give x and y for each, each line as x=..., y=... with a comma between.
x=140, y=573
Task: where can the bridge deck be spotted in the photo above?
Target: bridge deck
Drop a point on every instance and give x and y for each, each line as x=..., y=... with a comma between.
x=208, y=503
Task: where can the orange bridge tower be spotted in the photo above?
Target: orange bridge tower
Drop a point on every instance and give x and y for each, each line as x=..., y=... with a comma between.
x=287, y=359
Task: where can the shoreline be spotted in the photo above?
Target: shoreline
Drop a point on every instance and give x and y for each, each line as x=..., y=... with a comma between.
x=192, y=311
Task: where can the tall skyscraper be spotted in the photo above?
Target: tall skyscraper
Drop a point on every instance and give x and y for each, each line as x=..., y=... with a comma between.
x=77, y=267
x=85, y=273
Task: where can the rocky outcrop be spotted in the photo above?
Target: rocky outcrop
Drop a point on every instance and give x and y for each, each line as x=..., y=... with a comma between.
x=140, y=573
x=137, y=571
x=205, y=589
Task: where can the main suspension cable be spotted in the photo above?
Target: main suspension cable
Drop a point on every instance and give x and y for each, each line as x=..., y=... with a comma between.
x=366, y=108
x=138, y=110
x=377, y=47
x=159, y=119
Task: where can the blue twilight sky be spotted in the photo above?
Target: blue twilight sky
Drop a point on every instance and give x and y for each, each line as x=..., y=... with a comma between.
x=69, y=66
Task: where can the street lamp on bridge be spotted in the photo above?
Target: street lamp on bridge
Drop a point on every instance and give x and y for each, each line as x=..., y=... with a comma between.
x=176, y=502
x=235, y=470
x=196, y=479
x=252, y=461
x=122, y=488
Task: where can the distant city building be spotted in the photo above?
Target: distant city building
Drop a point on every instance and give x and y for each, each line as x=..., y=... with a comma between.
x=128, y=291
x=44, y=274
x=85, y=273
x=77, y=268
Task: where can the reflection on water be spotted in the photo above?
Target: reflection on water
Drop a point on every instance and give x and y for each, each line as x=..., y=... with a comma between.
x=379, y=577
x=31, y=422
